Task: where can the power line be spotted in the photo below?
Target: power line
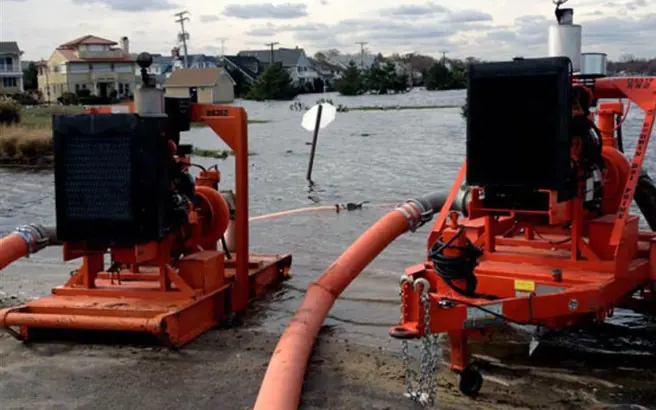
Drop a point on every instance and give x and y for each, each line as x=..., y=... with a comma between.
x=271, y=45
x=182, y=17
x=362, y=44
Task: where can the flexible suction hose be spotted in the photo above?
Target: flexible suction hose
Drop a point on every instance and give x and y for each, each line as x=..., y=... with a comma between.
x=281, y=388
x=26, y=240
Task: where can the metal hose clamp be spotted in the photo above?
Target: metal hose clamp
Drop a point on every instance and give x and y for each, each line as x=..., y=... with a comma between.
x=33, y=237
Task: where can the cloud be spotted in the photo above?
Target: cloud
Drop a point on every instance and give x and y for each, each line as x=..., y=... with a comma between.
x=132, y=5
x=632, y=5
x=414, y=10
x=469, y=16
x=209, y=18
x=267, y=30
x=266, y=11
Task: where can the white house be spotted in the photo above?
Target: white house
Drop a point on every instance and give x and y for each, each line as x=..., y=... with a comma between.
x=11, y=71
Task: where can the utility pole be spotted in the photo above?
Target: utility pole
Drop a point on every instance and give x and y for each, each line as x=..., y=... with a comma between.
x=184, y=36
x=271, y=45
x=223, y=40
x=444, y=57
x=362, y=44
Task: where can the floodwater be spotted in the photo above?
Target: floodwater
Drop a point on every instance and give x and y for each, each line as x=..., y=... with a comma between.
x=382, y=156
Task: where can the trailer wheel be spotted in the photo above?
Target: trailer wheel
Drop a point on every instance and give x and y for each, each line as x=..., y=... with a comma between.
x=470, y=381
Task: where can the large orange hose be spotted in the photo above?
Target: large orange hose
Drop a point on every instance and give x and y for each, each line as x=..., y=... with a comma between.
x=12, y=248
x=281, y=388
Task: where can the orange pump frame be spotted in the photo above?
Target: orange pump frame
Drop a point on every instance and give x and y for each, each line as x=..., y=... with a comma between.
x=538, y=277
x=174, y=303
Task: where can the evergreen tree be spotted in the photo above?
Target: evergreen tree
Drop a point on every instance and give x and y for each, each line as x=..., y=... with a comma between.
x=274, y=83
x=351, y=81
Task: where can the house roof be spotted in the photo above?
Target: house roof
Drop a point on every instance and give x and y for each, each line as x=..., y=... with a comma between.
x=88, y=39
x=288, y=56
x=325, y=64
x=195, y=77
x=9, y=47
x=361, y=61
x=245, y=64
x=72, y=57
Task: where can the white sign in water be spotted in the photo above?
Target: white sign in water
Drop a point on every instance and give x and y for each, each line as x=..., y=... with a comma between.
x=328, y=113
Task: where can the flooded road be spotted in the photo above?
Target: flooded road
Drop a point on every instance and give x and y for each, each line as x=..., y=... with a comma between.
x=376, y=156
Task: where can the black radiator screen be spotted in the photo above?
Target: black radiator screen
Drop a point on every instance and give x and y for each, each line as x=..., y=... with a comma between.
x=518, y=124
x=111, y=177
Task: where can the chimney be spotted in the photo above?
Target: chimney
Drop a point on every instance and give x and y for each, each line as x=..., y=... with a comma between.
x=125, y=44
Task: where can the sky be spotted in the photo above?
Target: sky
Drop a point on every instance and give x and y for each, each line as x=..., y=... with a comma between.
x=488, y=29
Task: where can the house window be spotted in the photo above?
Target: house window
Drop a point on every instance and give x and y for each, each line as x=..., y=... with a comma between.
x=127, y=89
x=9, y=82
x=77, y=88
x=120, y=88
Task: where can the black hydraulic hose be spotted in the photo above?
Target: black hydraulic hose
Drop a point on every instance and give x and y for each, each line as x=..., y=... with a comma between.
x=645, y=198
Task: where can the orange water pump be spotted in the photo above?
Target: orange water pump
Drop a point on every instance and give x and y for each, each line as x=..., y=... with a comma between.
x=543, y=233
x=147, y=232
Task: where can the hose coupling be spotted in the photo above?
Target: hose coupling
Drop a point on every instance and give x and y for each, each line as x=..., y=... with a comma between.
x=35, y=236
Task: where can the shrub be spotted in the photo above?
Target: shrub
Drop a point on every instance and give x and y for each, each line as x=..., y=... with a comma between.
x=25, y=99
x=10, y=111
x=83, y=92
x=68, y=99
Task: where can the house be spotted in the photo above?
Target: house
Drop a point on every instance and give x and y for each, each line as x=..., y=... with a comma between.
x=203, y=85
x=160, y=69
x=11, y=71
x=293, y=59
x=194, y=60
x=249, y=67
x=328, y=72
x=89, y=63
x=362, y=61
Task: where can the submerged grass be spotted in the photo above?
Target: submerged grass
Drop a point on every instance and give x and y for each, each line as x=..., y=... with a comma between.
x=218, y=154
x=29, y=144
x=32, y=147
x=21, y=145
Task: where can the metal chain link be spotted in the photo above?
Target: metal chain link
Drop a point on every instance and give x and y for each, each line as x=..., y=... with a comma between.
x=426, y=391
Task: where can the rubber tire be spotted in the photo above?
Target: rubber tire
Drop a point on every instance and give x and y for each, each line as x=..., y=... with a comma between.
x=470, y=381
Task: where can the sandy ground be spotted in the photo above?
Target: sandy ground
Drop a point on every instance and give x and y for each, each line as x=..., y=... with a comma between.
x=223, y=369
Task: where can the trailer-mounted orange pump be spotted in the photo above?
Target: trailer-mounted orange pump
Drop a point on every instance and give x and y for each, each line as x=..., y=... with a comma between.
x=544, y=234
x=147, y=231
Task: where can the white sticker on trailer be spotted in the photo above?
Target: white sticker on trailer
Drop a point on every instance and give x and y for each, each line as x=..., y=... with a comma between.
x=474, y=313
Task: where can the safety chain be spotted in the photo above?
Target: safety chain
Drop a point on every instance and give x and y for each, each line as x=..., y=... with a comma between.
x=426, y=391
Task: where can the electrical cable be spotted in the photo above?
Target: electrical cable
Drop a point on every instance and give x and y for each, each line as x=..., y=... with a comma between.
x=460, y=267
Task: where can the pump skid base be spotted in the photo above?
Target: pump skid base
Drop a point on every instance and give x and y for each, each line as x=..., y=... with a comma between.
x=135, y=302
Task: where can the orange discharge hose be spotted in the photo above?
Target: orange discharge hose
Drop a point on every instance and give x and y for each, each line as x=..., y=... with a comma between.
x=281, y=388
x=24, y=241
x=12, y=247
